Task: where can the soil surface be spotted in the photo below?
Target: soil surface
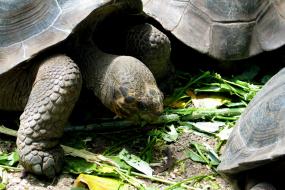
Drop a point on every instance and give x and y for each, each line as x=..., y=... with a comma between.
x=171, y=163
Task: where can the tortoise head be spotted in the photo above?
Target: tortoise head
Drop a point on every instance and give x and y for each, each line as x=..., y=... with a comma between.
x=131, y=6
x=144, y=104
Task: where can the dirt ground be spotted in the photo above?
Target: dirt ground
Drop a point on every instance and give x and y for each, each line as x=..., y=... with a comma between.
x=172, y=165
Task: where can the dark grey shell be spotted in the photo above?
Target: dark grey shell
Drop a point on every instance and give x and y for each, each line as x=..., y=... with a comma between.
x=259, y=136
x=225, y=29
x=30, y=26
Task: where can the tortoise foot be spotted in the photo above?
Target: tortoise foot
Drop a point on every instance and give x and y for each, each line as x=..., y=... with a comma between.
x=44, y=163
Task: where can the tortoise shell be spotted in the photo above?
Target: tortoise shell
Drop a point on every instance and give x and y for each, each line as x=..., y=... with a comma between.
x=259, y=135
x=224, y=29
x=30, y=26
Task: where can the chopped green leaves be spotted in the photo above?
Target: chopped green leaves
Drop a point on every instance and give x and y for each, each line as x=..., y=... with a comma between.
x=206, y=127
x=9, y=159
x=136, y=162
x=171, y=135
x=213, y=84
x=79, y=165
x=203, y=153
x=99, y=183
x=2, y=186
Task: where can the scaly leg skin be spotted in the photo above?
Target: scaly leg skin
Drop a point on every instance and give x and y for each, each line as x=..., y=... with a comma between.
x=54, y=93
x=123, y=83
x=152, y=47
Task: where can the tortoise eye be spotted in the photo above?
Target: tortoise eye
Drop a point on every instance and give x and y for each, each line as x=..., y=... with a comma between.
x=152, y=92
x=142, y=105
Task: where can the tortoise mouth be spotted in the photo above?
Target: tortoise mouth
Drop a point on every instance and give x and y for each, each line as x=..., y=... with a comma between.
x=138, y=110
x=144, y=117
x=138, y=104
x=134, y=113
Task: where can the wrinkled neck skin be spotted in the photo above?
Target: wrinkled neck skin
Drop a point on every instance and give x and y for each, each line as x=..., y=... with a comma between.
x=122, y=83
x=93, y=64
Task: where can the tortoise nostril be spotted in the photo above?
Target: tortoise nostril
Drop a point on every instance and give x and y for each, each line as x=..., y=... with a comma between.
x=129, y=99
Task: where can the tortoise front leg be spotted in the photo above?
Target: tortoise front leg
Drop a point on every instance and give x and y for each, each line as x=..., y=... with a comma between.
x=54, y=93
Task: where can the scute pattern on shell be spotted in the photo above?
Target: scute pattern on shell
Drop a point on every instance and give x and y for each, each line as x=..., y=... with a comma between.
x=28, y=27
x=224, y=29
x=259, y=135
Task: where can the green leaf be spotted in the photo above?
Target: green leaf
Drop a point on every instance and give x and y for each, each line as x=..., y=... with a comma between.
x=206, y=153
x=166, y=118
x=195, y=157
x=236, y=104
x=2, y=186
x=209, y=101
x=9, y=159
x=3, y=159
x=208, y=127
x=213, y=87
x=79, y=165
x=136, y=162
x=170, y=136
x=178, y=188
x=120, y=163
x=100, y=183
x=3, y=178
x=78, y=188
x=225, y=133
x=217, y=84
x=179, y=92
x=13, y=158
x=211, y=154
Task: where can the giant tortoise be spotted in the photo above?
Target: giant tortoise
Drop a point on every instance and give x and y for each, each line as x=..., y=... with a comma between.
x=224, y=29
x=46, y=51
x=254, y=156
x=234, y=30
